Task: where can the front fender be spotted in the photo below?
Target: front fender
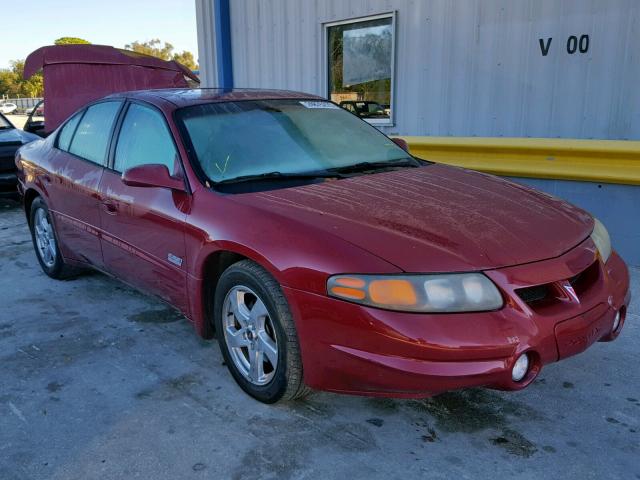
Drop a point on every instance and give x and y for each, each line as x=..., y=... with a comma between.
x=298, y=255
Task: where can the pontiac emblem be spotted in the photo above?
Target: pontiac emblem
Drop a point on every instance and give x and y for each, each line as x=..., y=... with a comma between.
x=568, y=288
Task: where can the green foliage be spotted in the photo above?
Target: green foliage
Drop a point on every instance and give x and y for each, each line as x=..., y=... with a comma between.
x=186, y=59
x=164, y=51
x=153, y=48
x=13, y=83
x=71, y=41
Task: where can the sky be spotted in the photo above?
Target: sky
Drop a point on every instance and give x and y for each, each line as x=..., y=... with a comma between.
x=105, y=22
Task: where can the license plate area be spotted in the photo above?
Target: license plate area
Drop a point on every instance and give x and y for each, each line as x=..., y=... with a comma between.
x=575, y=335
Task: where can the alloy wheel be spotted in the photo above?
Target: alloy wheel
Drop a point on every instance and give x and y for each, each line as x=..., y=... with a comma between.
x=45, y=238
x=250, y=335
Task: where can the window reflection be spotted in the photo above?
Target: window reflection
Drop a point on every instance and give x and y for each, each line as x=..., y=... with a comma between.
x=361, y=67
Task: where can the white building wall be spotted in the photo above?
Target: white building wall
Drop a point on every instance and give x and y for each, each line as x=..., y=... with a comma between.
x=205, y=23
x=465, y=67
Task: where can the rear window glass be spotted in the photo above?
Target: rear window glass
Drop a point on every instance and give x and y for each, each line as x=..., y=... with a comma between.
x=64, y=139
x=92, y=135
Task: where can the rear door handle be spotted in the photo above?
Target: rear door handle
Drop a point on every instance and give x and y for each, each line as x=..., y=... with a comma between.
x=110, y=207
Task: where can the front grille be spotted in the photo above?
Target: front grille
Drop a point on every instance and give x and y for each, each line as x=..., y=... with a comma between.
x=544, y=295
x=533, y=295
x=7, y=163
x=7, y=156
x=583, y=281
x=575, y=280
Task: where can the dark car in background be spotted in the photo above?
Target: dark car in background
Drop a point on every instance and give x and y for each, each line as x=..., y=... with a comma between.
x=11, y=138
x=35, y=121
x=365, y=108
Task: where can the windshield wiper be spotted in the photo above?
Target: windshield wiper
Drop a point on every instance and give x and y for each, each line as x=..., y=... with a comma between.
x=279, y=176
x=368, y=166
x=336, y=172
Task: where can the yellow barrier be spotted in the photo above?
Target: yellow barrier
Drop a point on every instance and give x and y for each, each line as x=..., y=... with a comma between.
x=600, y=161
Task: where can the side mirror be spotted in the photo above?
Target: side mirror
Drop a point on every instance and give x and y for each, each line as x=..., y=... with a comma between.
x=402, y=143
x=36, y=128
x=152, y=175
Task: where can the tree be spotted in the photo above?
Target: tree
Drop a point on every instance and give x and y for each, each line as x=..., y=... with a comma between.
x=71, y=41
x=186, y=59
x=155, y=48
x=9, y=83
x=13, y=83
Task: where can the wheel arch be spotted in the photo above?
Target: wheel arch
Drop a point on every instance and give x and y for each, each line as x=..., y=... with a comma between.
x=211, y=267
x=29, y=196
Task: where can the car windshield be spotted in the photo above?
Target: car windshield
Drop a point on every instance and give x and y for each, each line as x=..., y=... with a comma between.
x=284, y=138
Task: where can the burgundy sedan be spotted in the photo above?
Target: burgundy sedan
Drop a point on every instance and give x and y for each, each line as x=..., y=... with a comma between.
x=317, y=250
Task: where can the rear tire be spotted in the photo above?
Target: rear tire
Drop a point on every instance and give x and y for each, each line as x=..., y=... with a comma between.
x=255, y=330
x=45, y=242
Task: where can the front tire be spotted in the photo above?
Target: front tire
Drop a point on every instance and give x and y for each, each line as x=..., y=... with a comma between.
x=45, y=242
x=257, y=335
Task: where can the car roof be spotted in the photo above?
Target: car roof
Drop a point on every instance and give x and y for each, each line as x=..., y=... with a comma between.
x=183, y=97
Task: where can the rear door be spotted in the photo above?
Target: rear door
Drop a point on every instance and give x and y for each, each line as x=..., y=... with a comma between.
x=82, y=151
x=143, y=241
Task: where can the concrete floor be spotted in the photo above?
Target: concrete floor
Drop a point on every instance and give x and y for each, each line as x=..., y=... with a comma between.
x=100, y=382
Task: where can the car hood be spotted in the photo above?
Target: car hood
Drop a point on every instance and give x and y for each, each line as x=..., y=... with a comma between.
x=16, y=136
x=435, y=218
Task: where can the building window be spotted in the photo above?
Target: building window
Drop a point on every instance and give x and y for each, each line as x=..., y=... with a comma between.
x=360, y=66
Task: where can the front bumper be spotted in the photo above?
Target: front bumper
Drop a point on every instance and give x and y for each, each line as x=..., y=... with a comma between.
x=350, y=348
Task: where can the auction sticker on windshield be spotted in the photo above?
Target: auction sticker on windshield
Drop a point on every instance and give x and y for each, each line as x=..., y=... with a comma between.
x=317, y=104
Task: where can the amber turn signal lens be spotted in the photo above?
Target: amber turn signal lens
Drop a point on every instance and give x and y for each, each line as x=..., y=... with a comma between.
x=349, y=288
x=347, y=292
x=351, y=282
x=392, y=292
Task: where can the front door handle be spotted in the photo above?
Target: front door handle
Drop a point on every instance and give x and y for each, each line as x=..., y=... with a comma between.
x=110, y=207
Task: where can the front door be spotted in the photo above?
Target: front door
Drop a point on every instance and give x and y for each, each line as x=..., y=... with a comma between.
x=81, y=155
x=143, y=227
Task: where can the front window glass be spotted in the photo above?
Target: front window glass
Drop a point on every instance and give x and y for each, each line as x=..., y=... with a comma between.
x=92, y=135
x=360, y=56
x=144, y=139
x=236, y=139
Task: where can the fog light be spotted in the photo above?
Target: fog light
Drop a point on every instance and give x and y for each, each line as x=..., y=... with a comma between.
x=616, y=321
x=520, y=368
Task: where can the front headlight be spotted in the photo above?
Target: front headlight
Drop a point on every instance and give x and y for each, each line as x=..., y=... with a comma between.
x=601, y=238
x=438, y=293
